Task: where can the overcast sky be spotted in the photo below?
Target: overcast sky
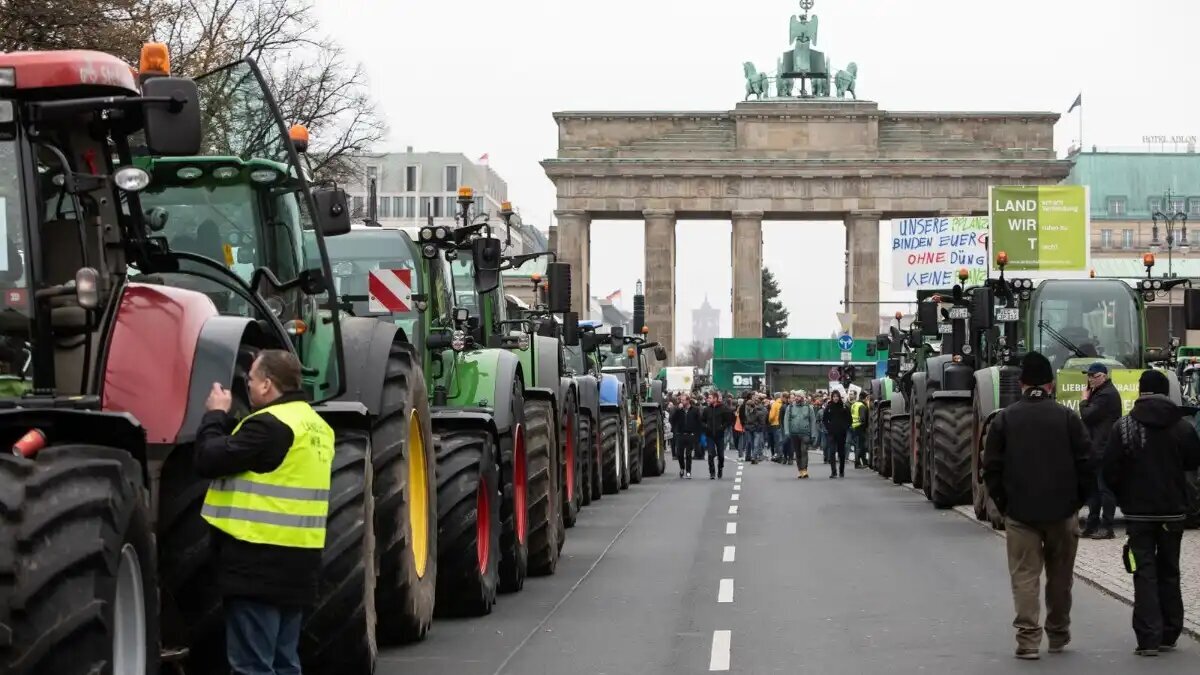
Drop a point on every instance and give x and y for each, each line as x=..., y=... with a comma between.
x=482, y=76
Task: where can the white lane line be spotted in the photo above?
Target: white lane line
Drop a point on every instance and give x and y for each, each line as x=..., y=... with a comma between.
x=725, y=591
x=720, y=650
x=737, y=479
x=733, y=509
x=728, y=555
x=730, y=528
x=734, y=497
x=737, y=488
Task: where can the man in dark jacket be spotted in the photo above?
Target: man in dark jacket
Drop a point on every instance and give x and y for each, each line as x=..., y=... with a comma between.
x=712, y=419
x=269, y=548
x=685, y=424
x=1144, y=464
x=1100, y=409
x=1038, y=471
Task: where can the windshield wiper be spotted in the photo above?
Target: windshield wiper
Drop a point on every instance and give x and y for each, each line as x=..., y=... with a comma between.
x=1058, y=337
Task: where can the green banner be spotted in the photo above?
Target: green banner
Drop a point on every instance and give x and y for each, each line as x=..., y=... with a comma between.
x=1042, y=228
x=1070, y=384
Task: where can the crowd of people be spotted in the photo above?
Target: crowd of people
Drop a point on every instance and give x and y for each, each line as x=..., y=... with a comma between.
x=786, y=426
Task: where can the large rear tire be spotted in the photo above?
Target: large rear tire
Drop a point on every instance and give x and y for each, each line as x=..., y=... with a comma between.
x=78, y=581
x=914, y=438
x=514, y=498
x=597, y=465
x=587, y=460
x=338, y=635
x=925, y=450
x=610, y=446
x=896, y=443
x=950, y=436
x=468, y=523
x=405, y=502
x=654, y=463
x=544, y=500
x=572, y=471
x=625, y=452
x=637, y=444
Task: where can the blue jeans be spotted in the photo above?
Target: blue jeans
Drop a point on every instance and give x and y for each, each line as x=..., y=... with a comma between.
x=262, y=639
x=759, y=443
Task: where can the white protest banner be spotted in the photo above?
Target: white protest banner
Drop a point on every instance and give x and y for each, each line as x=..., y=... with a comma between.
x=927, y=253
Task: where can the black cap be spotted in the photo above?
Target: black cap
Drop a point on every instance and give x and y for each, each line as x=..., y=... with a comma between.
x=1036, y=370
x=1154, y=382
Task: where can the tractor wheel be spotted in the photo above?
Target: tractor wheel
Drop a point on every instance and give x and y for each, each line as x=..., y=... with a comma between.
x=978, y=489
x=405, y=502
x=338, y=635
x=586, y=448
x=925, y=448
x=897, y=449
x=597, y=466
x=624, y=452
x=637, y=444
x=610, y=447
x=911, y=448
x=950, y=453
x=573, y=461
x=78, y=581
x=514, y=498
x=544, y=502
x=653, y=461
x=877, y=434
x=468, y=523
x=885, y=460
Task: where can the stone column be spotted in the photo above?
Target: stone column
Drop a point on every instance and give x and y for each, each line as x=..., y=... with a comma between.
x=573, y=246
x=862, y=272
x=746, y=252
x=660, y=279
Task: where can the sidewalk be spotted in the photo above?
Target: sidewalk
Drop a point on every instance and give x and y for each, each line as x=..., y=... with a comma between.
x=1098, y=563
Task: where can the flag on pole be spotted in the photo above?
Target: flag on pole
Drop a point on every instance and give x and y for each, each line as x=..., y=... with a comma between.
x=483, y=158
x=611, y=298
x=1078, y=102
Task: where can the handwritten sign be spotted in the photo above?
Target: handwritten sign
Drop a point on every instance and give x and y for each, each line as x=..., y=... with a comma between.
x=927, y=253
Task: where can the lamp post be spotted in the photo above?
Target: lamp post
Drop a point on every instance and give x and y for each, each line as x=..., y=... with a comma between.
x=1172, y=243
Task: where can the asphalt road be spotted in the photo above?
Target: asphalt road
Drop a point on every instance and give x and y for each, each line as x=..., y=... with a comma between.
x=819, y=576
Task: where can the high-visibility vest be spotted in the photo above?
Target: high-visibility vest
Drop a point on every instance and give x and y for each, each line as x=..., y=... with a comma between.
x=287, y=506
x=856, y=419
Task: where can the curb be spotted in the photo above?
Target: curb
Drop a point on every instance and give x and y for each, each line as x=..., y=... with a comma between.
x=1112, y=593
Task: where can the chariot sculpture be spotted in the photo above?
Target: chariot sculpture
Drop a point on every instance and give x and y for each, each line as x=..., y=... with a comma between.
x=802, y=64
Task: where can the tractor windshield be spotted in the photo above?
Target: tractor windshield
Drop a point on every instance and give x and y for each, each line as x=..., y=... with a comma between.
x=1086, y=319
x=375, y=273
x=15, y=309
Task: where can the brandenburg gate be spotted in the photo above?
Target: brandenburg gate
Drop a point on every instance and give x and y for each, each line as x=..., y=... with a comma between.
x=806, y=158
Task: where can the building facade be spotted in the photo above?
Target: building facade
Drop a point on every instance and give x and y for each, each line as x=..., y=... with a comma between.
x=413, y=186
x=1126, y=189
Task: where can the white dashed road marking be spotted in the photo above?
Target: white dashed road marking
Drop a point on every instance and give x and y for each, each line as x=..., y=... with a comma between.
x=720, y=651
x=736, y=488
x=729, y=554
x=725, y=591
x=734, y=497
x=730, y=528
x=733, y=509
x=738, y=479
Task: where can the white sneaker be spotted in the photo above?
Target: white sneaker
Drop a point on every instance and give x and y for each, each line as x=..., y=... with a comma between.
x=688, y=476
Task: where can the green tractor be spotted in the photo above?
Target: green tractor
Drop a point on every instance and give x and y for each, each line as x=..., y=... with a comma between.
x=644, y=413
x=891, y=423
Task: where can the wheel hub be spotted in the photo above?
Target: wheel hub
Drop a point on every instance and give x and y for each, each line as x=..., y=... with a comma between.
x=129, y=616
x=418, y=494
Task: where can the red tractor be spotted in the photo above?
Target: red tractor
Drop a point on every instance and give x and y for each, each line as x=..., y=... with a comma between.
x=112, y=328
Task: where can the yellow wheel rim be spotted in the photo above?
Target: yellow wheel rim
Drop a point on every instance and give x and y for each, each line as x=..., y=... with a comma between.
x=418, y=494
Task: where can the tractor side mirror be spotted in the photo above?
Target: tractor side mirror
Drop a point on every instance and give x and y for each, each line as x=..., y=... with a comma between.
x=172, y=127
x=893, y=367
x=927, y=316
x=660, y=353
x=333, y=215
x=1191, y=308
x=872, y=348
x=589, y=342
x=558, y=275
x=245, y=255
x=486, y=253
x=982, y=316
x=1155, y=354
x=570, y=329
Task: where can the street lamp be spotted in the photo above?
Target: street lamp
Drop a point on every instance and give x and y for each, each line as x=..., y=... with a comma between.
x=1172, y=243
x=637, y=289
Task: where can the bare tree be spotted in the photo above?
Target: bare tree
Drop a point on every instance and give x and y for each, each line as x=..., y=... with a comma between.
x=696, y=354
x=118, y=27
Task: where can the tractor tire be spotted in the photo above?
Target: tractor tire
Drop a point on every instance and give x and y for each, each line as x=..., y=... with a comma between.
x=916, y=470
x=338, y=634
x=544, y=501
x=610, y=446
x=885, y=459
x=925, y=451
x=597, y=466
x=468, y=522
x=950, y=453
x=897, y=449
x=404, y=486
x=985, y=508
x=514, y=498
x=586, y=450
x=877, y=434
x=625, y=452
x=573, y=461
x=637, y=443
x=654, y=463
x=78, y=580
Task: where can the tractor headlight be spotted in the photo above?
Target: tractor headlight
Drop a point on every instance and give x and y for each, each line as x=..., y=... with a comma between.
x=429, y=251
x=189, y=173
x=426, y=234
x=264, y=176
x=966, y=349
x=523, y=342
x=459, y=341
x=1157, y=284
x=440, y=233
x=131, y=179
x=225, y=172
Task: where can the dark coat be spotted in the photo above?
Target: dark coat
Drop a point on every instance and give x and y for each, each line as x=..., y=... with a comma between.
x=686, y=421
x=1099, y=412
x=713, y=420
x=1146, y=457
x=278, y=575
x=837, y=418
x=1037, y=461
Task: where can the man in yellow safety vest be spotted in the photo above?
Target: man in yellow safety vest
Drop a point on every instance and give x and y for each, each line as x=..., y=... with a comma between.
x=268, y=501
x=858, y=420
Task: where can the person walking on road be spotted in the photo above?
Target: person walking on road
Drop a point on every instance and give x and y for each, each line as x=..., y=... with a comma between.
x=756, y=413
x=267, y=504
x=775, y=426
x=1038, y=470
x=858, y=422
x=687, y=430
x=712, y=419
x=800, y=425
x=1144, y=462
x=837, y=423
x=1100, y=409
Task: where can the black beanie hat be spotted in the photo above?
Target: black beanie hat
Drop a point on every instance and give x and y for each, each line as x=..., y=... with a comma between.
x=1036, y=370
x=1154, y=382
